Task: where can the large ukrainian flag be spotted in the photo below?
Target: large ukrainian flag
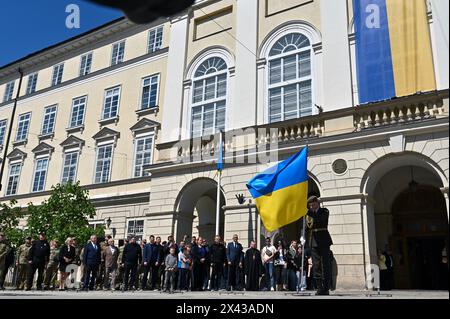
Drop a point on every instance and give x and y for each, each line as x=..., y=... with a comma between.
x=393, y=49
x=281, y=191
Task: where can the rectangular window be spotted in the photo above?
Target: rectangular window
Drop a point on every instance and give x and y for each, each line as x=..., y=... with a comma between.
x=3, y=124
x=135, y=228
x=103, y=165
x=118, y=52
x=143, y=154
x=70, y=167
x=78, y=110
x=57, y=74
x=208, y=119
x=32, y=81
x=48, y=125
x=155, y=39
x=111, y=104
x=150, y=92
x=9, y=90
x=23, y=126
x=85, y=65
x=13, y=179
x=40, y=173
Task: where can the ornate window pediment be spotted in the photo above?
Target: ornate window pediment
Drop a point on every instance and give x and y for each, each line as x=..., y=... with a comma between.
x=16, y=154
x=106, y=134
x=72, y=142
x=43, y=149
x=143, y=126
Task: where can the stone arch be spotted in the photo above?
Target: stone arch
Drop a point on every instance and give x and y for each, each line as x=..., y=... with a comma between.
x=299, y=26
x=195, y=209
x=219, y=51
x=384, y=181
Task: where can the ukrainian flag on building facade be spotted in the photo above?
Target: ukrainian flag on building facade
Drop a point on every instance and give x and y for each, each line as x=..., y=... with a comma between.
x=281, y=191
x=393, y=49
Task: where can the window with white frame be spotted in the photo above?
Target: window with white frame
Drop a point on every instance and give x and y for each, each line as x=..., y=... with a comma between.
x=111, y=103
x=96, y=224
x=32, y=81
x=70, y=164
x=150, y=86
x=290, y=78
x=103, y=163
x=155, y=39
x=86, y=63
x=78, y=111
x=9, y=90
x=40, y=174
x=142, y=154
x=13, y=178
x=135, y=228
x=3, y=124
x=23, y=127
x=118, y=53
x=209, y=97
x=57, y=74
x=48, y=125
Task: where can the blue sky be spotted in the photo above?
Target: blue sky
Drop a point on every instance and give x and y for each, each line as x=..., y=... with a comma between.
x=27, y=26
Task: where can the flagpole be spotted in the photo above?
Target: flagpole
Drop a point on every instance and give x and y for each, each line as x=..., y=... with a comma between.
x=303, y=244
x=219, y=177
x=303, y=253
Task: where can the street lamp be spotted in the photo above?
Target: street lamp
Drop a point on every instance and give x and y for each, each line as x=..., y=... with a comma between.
x=108, y=222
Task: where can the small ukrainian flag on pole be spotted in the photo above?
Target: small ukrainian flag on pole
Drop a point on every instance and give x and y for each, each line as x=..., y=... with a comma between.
x=281, y=191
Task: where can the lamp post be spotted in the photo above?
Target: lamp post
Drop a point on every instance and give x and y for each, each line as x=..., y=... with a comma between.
x=108, y=224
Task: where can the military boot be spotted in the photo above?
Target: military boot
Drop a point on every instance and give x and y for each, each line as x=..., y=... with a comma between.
x=322, y=288
x=319, y=287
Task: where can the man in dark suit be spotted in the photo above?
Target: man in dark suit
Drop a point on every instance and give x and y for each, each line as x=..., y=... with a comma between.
x=132, y=256
x=390, y=268
x=235, y=262
x=91, y=260
x=110, y=255
x=38, y=257
x=151, y=259
x=319, y=240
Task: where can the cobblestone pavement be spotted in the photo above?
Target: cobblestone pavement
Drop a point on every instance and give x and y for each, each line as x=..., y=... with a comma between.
x=338, y=294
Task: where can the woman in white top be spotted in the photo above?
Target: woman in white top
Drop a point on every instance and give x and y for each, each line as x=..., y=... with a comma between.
x=280, y=265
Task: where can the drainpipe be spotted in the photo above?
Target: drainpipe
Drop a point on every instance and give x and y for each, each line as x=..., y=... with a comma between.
x=11, y=122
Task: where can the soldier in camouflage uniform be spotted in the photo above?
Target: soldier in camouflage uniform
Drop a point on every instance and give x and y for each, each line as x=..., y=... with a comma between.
x=119, y=278
x=101, y=268
x=82, y=267
x=77, y=260
x=22, y=263
x=4, y=250
x=51, y=271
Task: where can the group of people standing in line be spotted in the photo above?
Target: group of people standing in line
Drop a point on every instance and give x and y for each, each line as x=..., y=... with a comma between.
x=188, y=265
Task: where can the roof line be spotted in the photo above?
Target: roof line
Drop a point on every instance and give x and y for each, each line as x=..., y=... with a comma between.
x=62, y=42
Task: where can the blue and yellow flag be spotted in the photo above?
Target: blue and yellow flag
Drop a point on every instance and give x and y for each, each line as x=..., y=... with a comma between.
x=281, y=191
x=393, y=49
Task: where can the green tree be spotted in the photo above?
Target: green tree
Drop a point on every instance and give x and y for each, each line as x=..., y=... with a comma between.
x=64, y=214
x=10, y=216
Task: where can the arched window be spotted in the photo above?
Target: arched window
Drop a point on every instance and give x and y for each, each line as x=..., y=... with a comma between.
x=209, y=97
x=290, y=80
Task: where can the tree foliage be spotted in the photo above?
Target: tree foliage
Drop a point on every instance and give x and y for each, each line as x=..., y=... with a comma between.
x=64, y=214
x=10, y=216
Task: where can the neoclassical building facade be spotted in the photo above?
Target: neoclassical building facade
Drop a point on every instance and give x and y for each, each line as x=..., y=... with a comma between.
x=133, y=112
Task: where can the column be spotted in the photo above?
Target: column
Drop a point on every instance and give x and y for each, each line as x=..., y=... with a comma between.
x=173, y=97
x=243, y=112
x=439, y=41
x=337, y=81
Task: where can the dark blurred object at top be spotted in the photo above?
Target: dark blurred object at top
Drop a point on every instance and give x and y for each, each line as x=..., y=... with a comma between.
x=145, y=11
